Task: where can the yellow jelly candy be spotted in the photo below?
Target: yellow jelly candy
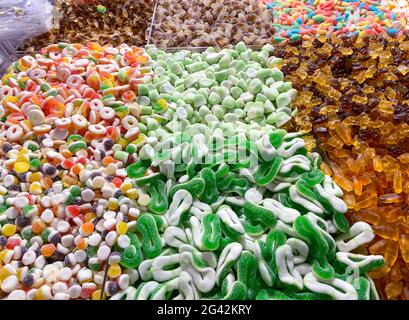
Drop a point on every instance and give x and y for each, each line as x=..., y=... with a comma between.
x=113, y=204
x=21, y=167
x=114, y=271
x=8, y=229
x=122, y=227
x=36, y=188
x=126, y=186
x=123, y=142
x=96, y=295
x=6, y=271
x=36, y=176
x=132, y=193
x=6, y=255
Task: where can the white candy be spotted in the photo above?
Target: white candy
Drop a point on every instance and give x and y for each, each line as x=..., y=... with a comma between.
x=59, y=287
x=17, y=295
x=62, y=296
x=74, y=291
x=21, y=202
x=9, y=284
x=123, y=281
x=103, y=253
x=47, y=216
x=94, y=239
x=29, y=257
x=63, y=226
x=110, y=238
x=84, y=275
x=123, y=241
x=80, y=255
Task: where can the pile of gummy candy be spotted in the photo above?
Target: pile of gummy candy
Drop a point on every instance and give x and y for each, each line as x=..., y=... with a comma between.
x=140, y=173
x=171, y=172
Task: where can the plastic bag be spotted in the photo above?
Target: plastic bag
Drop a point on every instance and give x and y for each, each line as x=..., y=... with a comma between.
x=19, y=21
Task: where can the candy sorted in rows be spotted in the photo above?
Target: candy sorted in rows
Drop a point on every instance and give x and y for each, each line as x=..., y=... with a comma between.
x=104, y=21
x=307, y=19
x=67, y=116
x=203, y=23
x=238, y=208
x=353, y=99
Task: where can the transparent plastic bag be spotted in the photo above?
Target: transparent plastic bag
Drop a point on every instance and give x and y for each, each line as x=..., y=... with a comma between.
x=21, y=20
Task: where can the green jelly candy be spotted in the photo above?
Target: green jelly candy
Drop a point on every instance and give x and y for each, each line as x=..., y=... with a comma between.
x=312, y=178
x=74, y=138
x=225, y=182
x=267, y=171
x=151, y=241
x=236, y=291
x=131, y=257
x=159, y=200
x=92, y=251
x=302, y=188
x=255, y=86
x=75, y=191
x=315, y=240
x=322, y=268
x=260, y=214
x=94, y=266
x=275, y=239
x=195, y=187
x=138, y=169
x=363, y=263
x=276, y=140
x=239, y=186
x=35, y=163
x=363, y=288
x=211, y=193
x=45, y=234
x=148, y=179
x=340, y=222
x=27, y=233
x=77, y=145
x=211, y=232
x=247, y=273
x=229, y=102
x=272, y=294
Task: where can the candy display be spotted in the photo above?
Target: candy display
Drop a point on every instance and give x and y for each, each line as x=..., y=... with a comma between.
x=189, y=189
x=237, y=207
x=62, y=165
x=307, y=19
x=104, y=21
x=353, y=99
x=204, y=150
x=203, y=23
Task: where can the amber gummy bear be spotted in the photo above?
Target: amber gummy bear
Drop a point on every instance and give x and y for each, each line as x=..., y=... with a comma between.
x=353, y=99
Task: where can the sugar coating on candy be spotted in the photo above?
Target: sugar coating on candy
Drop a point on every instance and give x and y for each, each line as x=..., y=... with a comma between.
x=65, y=113
x=238, y=208
x=104, y=21
x=354, y=101
x=204, y=195
x=203, y=23
x=308, y=19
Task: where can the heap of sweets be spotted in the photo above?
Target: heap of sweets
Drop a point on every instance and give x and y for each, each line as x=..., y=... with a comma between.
x=238, y=208
x=307, y=19
x=203, y=23
x=396, y=6
x=104, y=21
x=354, y=99
x=67, y=116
